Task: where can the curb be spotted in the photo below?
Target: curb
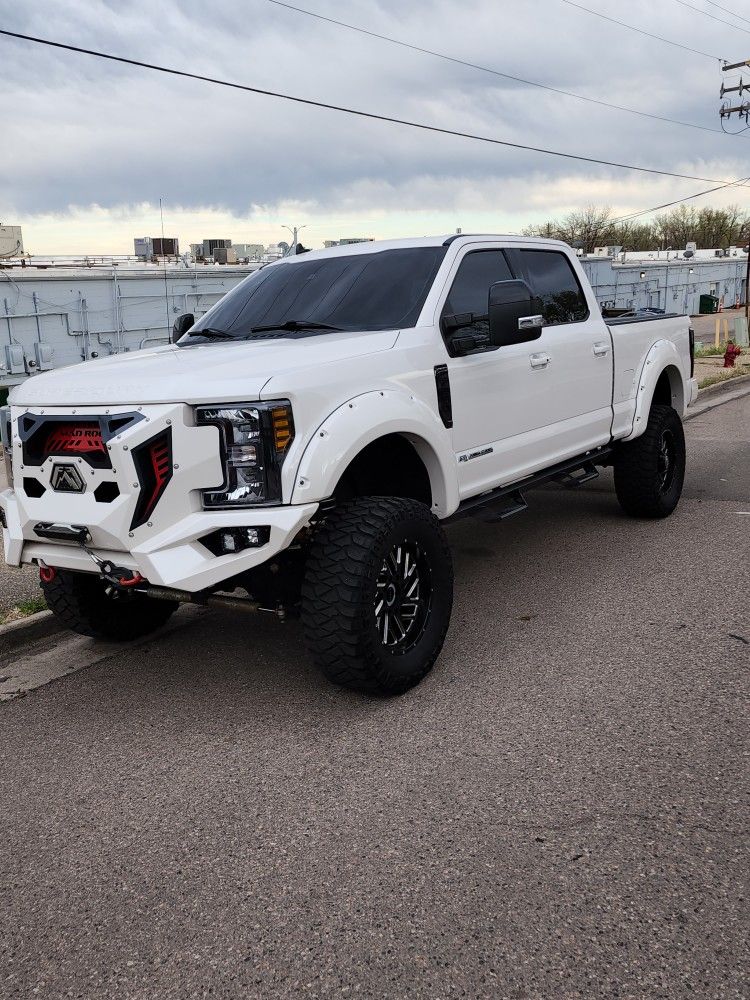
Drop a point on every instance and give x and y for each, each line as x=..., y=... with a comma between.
x=716, y=395
x=36, y=626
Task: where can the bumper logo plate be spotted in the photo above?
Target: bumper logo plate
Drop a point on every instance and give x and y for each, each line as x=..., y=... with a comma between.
x=67, y=479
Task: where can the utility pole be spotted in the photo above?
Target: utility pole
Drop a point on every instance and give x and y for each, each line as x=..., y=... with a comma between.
x=294, y=230
x=742, y=108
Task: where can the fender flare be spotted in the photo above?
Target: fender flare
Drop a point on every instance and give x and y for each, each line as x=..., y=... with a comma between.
x=663, y=355
x=359, y=421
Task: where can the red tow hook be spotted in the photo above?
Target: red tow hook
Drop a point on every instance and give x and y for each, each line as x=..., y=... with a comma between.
x=133, y=581
x=47, y=573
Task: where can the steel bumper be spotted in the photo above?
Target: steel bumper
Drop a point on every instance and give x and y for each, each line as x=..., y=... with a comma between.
x=172, y=557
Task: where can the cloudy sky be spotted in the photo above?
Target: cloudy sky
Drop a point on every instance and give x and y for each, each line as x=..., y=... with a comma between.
x=89, y=147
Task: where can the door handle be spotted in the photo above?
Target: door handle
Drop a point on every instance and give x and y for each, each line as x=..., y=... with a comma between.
x=601, y=349
x=539, y=360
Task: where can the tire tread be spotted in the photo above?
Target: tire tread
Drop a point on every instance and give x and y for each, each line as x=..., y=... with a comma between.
x=334, y=607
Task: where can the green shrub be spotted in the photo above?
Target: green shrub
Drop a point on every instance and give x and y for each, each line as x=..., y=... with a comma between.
x=3, y=396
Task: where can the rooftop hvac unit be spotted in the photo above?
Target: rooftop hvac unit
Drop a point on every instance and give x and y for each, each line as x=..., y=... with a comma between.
x=225, y=255
x=167, y=246
x=692, y=246
x=210, y=245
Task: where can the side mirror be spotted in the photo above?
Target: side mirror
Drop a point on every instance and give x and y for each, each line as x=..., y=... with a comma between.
x=181, y=325
x=460, y=343
x=515, y=314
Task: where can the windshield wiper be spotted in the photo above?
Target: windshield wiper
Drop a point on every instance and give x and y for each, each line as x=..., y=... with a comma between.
x=294, y=324
x=210, y=332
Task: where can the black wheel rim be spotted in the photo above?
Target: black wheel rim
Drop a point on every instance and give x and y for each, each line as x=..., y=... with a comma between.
x=667, y=461
x=403, y=597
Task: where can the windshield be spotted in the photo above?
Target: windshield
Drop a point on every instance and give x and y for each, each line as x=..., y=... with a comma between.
x=384, y=290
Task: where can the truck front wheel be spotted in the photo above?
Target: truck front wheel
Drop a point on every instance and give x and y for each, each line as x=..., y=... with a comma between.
x=650, y=471
x=81, y=603
x=377, y=594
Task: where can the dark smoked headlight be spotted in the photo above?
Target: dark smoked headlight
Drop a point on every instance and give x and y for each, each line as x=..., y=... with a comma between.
x=254, y=440
x=6, y=438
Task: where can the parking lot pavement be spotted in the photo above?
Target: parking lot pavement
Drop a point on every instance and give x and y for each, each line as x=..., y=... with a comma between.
x=554, y=813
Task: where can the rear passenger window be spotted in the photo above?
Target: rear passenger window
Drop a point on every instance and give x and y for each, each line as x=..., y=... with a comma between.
x=553, y=279
x=471, y=287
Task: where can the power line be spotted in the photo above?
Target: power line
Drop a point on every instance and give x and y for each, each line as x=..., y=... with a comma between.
x=727, y=11
x=487, y=69
x=359, y=113
x=678, y=201
x=641, y=31
x=713, y=17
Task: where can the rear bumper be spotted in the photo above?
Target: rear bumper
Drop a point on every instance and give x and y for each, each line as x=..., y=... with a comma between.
x=173, y=557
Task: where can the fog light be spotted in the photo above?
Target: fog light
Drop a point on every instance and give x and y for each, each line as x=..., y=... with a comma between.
x=226, y=541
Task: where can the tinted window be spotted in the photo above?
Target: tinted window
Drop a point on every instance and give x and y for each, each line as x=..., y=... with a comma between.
x=552, y=278
x=365, y=291
x=471, y=287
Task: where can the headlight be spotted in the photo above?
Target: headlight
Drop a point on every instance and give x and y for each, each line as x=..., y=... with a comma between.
x=254, y=440
x=6, y=438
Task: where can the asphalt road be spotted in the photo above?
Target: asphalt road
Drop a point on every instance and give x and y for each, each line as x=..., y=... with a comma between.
x=558, y=811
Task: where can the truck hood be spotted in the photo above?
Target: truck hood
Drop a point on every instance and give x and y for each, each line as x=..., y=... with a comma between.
x=202, y=373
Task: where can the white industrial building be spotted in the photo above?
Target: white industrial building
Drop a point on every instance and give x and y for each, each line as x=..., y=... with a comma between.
x=666, y=279
x=56, y=312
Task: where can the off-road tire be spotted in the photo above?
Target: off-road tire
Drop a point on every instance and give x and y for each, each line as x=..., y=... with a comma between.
x=650, y=471
x=351, y=554
x=79, y=602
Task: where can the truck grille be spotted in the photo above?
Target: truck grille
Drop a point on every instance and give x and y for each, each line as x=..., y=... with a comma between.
x=74, y=439
x=47, y=436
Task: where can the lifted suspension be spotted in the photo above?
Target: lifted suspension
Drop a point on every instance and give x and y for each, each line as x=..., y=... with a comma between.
x=207, y=600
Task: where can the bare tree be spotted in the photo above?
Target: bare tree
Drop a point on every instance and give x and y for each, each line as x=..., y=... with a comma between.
x=591, y=227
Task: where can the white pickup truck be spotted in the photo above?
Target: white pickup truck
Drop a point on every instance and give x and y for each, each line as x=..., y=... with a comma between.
x=305, y=440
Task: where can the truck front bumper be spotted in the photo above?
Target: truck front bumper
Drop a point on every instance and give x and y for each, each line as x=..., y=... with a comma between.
x=174, y=557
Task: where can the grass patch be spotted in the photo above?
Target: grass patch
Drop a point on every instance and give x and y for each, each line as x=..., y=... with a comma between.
x=709, y=352
x=723, y=375
x=22, y=610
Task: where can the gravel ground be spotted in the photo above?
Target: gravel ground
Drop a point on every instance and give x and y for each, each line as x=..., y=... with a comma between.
x=556, y=812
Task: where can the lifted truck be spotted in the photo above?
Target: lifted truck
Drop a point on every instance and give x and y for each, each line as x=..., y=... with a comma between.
x=305, y=439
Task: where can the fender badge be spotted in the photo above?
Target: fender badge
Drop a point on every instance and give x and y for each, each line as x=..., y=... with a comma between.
x=475, y=454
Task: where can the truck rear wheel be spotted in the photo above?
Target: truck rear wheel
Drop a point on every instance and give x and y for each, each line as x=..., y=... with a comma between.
x=81, y=603
x=650, y=471
x=377, y=594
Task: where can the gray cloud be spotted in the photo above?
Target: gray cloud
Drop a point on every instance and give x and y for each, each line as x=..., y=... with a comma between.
x=80, y=131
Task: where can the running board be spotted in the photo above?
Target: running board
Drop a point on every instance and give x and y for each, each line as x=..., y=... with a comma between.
x=572, y=480
x=510, y=500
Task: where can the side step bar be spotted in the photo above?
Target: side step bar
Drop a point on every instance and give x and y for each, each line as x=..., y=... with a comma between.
x=510, y=499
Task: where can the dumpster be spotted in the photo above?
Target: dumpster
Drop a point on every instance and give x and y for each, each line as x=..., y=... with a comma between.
x=708, y=304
